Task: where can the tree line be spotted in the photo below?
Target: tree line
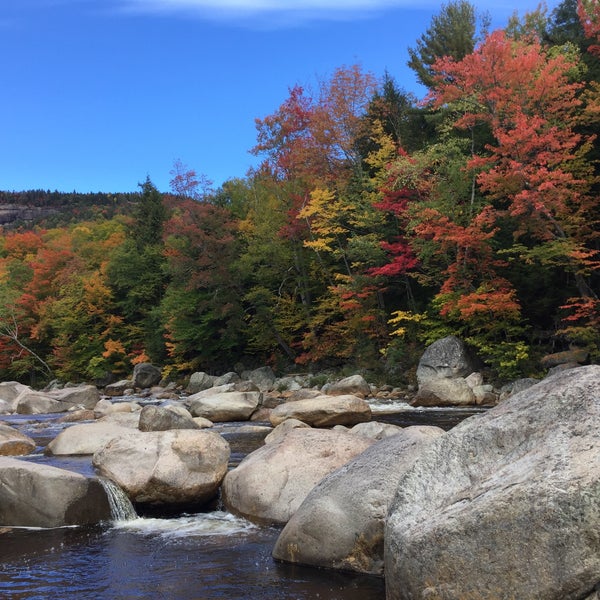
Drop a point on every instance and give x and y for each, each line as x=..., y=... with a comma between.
x=374, y=224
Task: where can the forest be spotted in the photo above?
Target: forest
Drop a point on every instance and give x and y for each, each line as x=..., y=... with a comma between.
x=374, y=224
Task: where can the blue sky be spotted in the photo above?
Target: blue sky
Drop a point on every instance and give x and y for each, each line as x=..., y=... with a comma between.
x=96, y=95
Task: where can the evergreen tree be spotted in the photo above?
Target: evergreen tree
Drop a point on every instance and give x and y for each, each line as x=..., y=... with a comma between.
x=451, y=33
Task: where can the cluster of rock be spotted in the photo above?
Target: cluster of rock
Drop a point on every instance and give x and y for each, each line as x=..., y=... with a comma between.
x=504, y=505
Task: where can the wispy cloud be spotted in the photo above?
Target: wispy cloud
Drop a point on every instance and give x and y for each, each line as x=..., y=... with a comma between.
x=279, y=12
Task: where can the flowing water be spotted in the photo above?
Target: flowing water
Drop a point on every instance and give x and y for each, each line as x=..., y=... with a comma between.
x=204, y=556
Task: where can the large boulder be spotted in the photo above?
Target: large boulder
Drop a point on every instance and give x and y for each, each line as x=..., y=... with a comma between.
x=441, y=374
x=340, y=523
x=145, y=375
x=13, y=442
x=105, y=407
x=225, y=406
x=324, y=411
x=506, y=504
x=178, y=467
x=445, y=358
x=199, y=381
x=355, y=385
x=445, y=391
x=9, y=391
x=34, y=495
x=30, y=402
x=84, y=438
x=118, y=388
x=157, y=418
x=271, y=482
x=85, y=396
x=263, y=377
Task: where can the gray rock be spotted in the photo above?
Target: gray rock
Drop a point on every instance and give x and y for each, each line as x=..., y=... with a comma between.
x=9, y=391
x=84, y=396
x=226, y=406
x=230, y=377
x=506, y=504
x=170, y=468
x=36, y=403
x=376, y=430
x=445, y=391
x=263, y=378
x=34, y=495
x=271, y=482
x=106, y=407
x=283, y=429
x=155, y=418
x=574, y=355
x=355, y=385
x=13, y=442
x=145, y=375
x=200, y=381
x=341, y=522
x=119, y=388
x=85, y=438
x=324, y=411
x=445, y=358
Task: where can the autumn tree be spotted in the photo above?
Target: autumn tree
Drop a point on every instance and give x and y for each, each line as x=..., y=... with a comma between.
x=533, y=174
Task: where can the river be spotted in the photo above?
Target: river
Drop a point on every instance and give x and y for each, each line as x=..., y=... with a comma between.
x=201, y=556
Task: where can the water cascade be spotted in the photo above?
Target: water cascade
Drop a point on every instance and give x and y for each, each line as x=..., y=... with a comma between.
x=121, y=508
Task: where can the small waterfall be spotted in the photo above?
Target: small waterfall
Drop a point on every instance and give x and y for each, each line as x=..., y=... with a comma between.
x=121, y=508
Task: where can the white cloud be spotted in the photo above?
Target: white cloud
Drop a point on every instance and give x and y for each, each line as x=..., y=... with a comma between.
x=283, y=13
x=278, y=10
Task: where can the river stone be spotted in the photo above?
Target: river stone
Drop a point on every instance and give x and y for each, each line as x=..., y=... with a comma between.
x=13, y=442
x=506, y=504
x=283, y=429
x=340, y=523
x=271, y=482
x=85, y=396
x=263, y=378
x=6, y=408
x=145, y=375
x=119, y=388
x=156, y=418
x=10, y=390
x=178, y=467
x=125, y=419
x=376, y=430
x=34, y=495
x=84, y=438
x=324, y=411
x=106, y=407
x=445, y=392
x=229, y=377
x=226, y=406
x=199, y=381
x=445, y=358
x=30, y=402
x=355, y=385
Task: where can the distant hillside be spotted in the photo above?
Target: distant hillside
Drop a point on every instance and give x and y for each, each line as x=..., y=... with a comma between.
x=51, y=209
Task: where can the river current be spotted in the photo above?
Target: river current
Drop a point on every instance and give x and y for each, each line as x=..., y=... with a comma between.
x=203, y=556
